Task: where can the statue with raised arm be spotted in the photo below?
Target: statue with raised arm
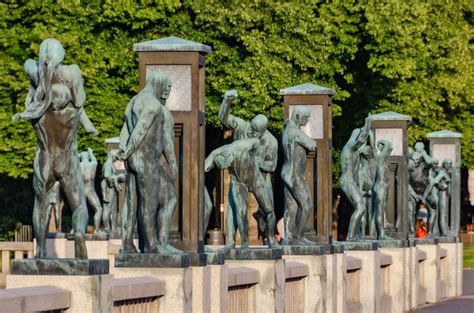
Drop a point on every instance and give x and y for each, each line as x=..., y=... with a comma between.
x=366, y=176
x=239, y=158
x=141, y=147
x=350, y=160
x=266, y=156
x=55, y=105
x=444, y=184
x=381, y=186
x=110, y=186
x=431, y=195
x=298, y=204
x=89, y=167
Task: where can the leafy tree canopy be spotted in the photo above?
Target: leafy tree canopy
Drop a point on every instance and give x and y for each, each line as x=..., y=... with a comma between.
x=413, y=58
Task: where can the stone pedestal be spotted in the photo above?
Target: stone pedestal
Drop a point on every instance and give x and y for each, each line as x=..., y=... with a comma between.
x=151, y=260
x=253, y=254
x=316, y=289
x=218, y=288
x=87, y=280
x=370, y=292
x=431, y=272
x=453, y=269
x=269, y=292
x=395, y=279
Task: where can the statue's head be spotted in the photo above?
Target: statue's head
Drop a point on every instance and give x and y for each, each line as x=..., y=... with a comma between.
x=160, y=84
x=51, y=53
x=447, y=164
x=365, y=150
x=301, y=114
x=385, y=145
x=416, y=157
x=31, y=69
x=83, y=156
x=258, y=126
x=419, y=146
x=434, y=162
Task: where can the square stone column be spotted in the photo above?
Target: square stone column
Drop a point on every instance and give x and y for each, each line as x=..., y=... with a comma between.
x=183, y=60
x=393, y=127
x=446, y=144
x=319, y=165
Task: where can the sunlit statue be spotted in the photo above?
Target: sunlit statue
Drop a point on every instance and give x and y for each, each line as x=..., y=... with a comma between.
x=266, y=156
x=350, y=160
x=381, y=186
x=89, y=167
x=239, y=158
x=444, y=184
x=142, y=144
x=298, y=203
x=55, y=105
x=366, y=176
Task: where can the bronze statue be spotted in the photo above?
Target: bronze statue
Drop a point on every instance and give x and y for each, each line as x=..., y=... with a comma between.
x=54, y=108
x=366, y=177
x=89, y=167
x=444, y=186
x=110, y=186
x=142, y=144
x=298, y=204
x=240, y=159
x=350, y=160
x=266, y=156
x=381, y=186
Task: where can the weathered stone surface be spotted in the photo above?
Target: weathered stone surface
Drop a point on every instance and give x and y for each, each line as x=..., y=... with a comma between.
x=60, y=267
x=253, y=254
x=197, y=259
x=391, y=116
x=307, y=89
x=336, y=248
x=393, y=243
x=171, y=43
x=306, y=250
x=423, y=241
x=444, y=134
x=360, y=245
x=447, y=239
x=152, y=260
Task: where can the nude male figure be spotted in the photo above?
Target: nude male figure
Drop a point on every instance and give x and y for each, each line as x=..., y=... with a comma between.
x=266, y=155
x=55, y=113
x=89, y=167
x=298, y=204
x=239, y=158
x=349, y=176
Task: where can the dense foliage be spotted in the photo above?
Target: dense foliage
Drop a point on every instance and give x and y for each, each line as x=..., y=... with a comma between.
x=409, y=57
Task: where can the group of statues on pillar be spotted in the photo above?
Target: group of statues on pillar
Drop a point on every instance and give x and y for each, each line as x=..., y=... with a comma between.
x=429, y=186
x=365, y=181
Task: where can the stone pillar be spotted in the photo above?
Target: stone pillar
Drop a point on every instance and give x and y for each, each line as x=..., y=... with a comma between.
x=445, y=144
x=318, y=100
x=393, y=127
x=183, y=60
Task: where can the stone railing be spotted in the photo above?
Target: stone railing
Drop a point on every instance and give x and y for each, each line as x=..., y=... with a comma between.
x=353, y=267
x=137, y=294
x=295, y=274
x=35, y=299
x=241, y=289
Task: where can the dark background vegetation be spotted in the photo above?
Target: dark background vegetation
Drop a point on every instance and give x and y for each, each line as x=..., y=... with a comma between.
x=410, y=57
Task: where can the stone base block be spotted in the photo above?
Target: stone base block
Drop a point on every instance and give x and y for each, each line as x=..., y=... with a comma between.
x=366, y=245
x=60, y=267
x=197, y=259
x=430, y=268
x=305, y=250
x=394, y=280
x=315, y=290
x=393, y=243
x=151, y=260
x=216, y=257
x=88, y=293
x=253, y=254
x=451, y=269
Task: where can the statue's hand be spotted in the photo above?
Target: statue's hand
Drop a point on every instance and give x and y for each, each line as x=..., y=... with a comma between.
x=93, y=132
x=16, y=117
x=119, y=156
x=89, y=150
x=369, y=118
x=230, y=96
x=207, y=165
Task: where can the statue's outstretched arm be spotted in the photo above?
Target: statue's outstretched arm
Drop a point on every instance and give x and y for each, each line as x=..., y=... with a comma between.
x=364, y=134
x=92, y=157
x=224, y=115
x=209, y=162
x=304, y=140
x=87, y=124
x=147, y=116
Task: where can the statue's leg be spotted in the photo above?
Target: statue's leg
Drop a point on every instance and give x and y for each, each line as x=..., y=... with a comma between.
x=113, y=205
x=72, y=184
x=443, y=208
x=148, y=185
x=129, y=215
x=363, y=220
x=300, y=192
x=231, y=220
x=168, y=204
x=432, y=219
x=106, y=216
x=259, y=214
x=41, y=212
x=291, y=208
x=240, y=194
x=354, y=195
x=96, y=206
x=381, y=196
x=207, y=208
x=264, y=201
